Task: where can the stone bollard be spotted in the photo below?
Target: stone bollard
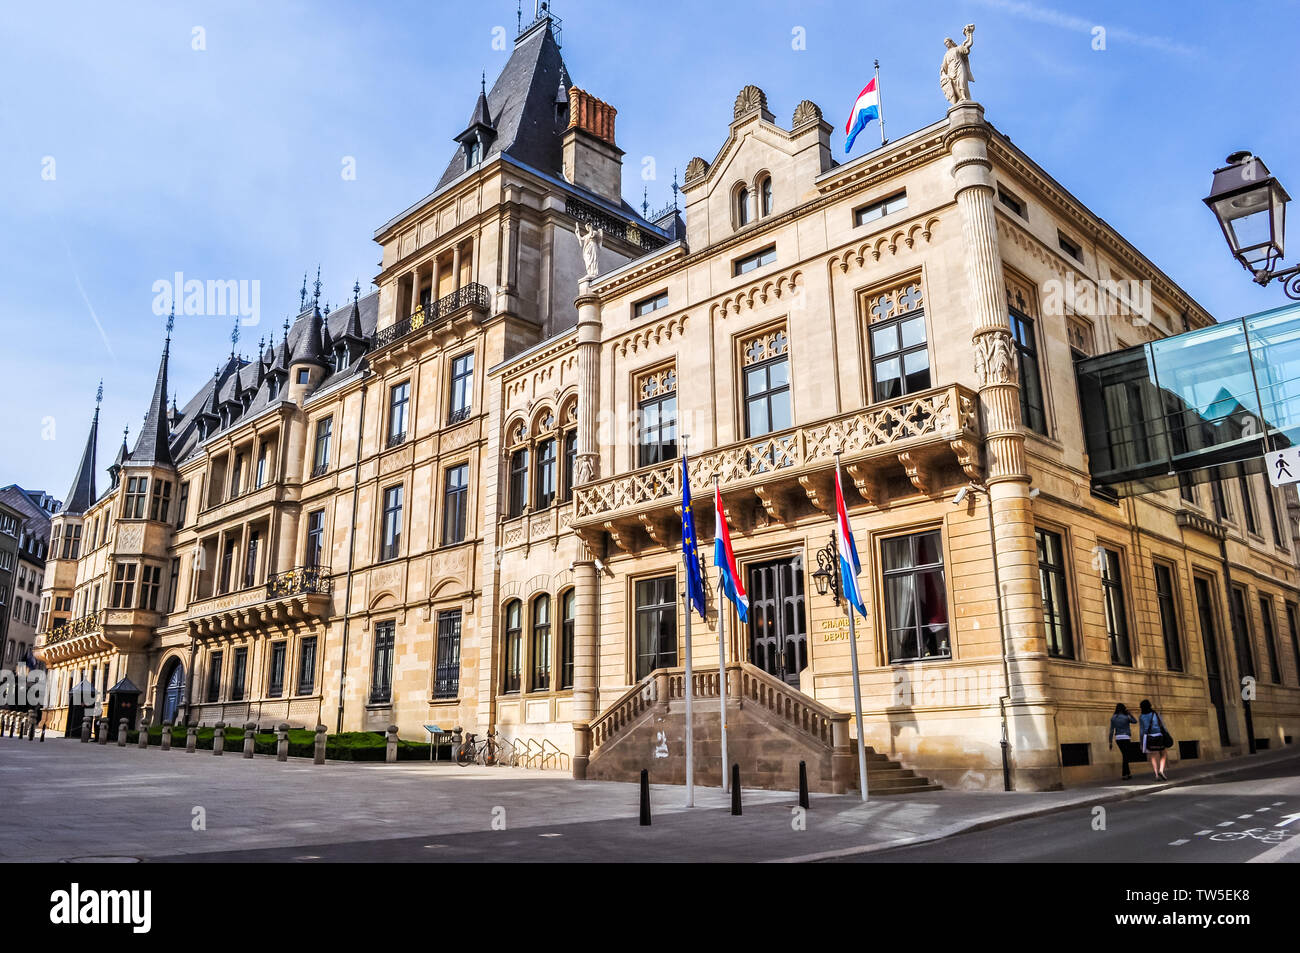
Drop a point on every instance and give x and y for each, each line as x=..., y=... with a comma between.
x=143, y=741
x=166, y=739
x=102, y=725
x=219, y=738
x=191, y=739
x=282, y=742
x=121, y=732
x=390, y=755
x=42, y=734
x=248, y=740
x=320, y=745
x=85, y=730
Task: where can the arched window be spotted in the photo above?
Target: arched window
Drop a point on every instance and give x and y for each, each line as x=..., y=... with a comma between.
x=765, y=196
x=568, y=621
x=545, y=484
x=518, y=482
x=742, y=207
x=541, y=644
x=514, y=646
x=570, y=462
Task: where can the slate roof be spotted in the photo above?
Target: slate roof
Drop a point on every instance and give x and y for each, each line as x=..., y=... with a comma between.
x=521, y=106
x=82, y=493
x=37, y=519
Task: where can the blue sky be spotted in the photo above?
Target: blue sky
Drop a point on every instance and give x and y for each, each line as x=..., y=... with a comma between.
x=226, y=162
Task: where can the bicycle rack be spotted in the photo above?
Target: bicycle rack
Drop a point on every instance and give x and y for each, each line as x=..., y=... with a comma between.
x=559, y=757
x=505, y=744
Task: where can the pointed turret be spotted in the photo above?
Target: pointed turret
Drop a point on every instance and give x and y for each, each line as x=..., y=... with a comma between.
x=480, y=132
x=82, y=494
x=353, y=332
x=154, y=443
x=307, y=350
x=123, y=455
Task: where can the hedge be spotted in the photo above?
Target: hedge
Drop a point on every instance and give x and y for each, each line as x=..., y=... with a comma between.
x=345, y=746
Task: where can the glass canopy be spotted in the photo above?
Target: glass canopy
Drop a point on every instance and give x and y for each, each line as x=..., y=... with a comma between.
x=1204, y=404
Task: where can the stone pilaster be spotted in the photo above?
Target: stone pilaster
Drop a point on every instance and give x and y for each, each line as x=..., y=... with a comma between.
x=1007, y=476
x=586, y=624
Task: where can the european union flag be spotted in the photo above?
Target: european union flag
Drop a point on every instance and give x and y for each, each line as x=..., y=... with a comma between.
x=690, y=550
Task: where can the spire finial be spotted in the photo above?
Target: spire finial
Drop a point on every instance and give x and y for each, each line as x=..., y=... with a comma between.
x=125, y=431
x=302, y=295
x=482, y=82
x=356, y=290
x=315, y=298
x=171, y=321
x=99, y=395
x=519, y=16
x=675, y=188
x=234, y=337
x=286, y=328
x=645, y=202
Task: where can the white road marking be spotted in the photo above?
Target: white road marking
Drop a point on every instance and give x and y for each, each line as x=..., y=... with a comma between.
x=1244, y=817
x=1227, y=823
x=550, y=835
x=1278, y=803
x=1263, y=809
x=1203, y=833
x=1175, y=843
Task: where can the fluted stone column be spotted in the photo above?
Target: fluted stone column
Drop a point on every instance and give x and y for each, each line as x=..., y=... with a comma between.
x=586, y=469
x=1007, y=473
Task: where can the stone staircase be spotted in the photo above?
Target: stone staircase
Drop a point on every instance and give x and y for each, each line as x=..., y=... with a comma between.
x=771, y=727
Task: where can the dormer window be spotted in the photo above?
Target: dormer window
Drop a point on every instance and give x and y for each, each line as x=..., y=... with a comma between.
x=473, y=152
x=765, y=196
x=742, y=207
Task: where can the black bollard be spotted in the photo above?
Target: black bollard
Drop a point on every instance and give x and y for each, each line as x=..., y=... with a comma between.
x=645, y=798
x=803, y=784
x=735, y=790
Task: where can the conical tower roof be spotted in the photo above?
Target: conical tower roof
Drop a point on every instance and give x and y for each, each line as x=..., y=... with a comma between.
x=82, y=494
x=154, y=443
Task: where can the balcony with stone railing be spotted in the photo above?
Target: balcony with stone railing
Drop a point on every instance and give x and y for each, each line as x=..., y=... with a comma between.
x=300, y=595
x=73, y=639
x=919, y=438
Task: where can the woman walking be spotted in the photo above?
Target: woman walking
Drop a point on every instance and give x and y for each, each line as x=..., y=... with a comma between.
x=1121, y=734
x=1155, y=739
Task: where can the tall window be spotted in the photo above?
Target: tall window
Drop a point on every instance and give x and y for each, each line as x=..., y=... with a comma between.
x=657, y=417
x=514, y=645
x=321, y=458
x=315, y=538
x=446, y=682
x=72, y=539
x=381, y=671
x=275, y=677
x=124, y=586
x=1218, y=500
x=916, y=603
x=237, y=476
x=162, y=500
x=518, y=482
x=250, y=560
x=544, y=485
x=227, y=564
x=1273, y=519
x=656, y=624
x=1247, y=504
x=392, y=522
x=1241, y=634
x=262, y=454
x=1293, y=624
x=1270, y=638
x=239, y=674
x=1112, y=587
x=172, y=586
x=134, y=499
x=742, y=206
x=307, y=666
x=765, y=196
x=541, y=644
x=1056, y=597
x=568, y=623
x=455, y=504
x=150, y=586
x=399, y=399
x=462, y=387
x=214, y=676
x=1167, y=599
x=182, y=504
x=900, y=358
x=1031, y=388
x=767, y=384
x=570, y=462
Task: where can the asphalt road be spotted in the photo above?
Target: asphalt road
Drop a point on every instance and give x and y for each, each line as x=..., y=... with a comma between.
x=1251, y=816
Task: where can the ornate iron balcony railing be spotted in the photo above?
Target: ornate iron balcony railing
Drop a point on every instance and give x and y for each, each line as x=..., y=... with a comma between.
x=473, y=295
x=610, y=225
x=300, y=580
x=86, y=625
x=458, y=415
x=319, y=469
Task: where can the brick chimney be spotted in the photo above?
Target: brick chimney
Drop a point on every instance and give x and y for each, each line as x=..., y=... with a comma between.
x=591, y=159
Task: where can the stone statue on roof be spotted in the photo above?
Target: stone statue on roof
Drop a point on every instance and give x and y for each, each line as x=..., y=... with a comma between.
x=954, y=74
x=590, y=248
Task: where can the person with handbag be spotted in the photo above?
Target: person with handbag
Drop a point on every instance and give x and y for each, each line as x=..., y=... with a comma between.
x=1156, y=740
x=1122, y=735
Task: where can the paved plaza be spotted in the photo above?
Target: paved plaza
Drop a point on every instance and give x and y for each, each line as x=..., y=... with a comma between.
x=67, y=801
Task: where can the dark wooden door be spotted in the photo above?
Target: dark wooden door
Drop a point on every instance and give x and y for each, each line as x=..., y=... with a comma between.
x=778, y=633
x=1209, y=639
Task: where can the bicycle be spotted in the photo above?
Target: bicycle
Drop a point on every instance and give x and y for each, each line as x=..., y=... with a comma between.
x=473, y=751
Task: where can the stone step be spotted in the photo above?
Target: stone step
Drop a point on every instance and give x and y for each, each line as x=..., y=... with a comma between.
x=884, y=785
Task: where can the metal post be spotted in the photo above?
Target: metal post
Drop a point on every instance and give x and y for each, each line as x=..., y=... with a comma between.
x=853, y=646
x=687, y=687
x=722, y=679
x=880, y=100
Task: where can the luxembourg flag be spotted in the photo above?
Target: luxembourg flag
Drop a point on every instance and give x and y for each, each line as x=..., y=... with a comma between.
x=725, y=560
x=865, y=109
x=849, y=565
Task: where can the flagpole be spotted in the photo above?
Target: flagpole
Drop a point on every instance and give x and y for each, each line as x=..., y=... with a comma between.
x=853, y=655
x=722, y=656
x=690, y=733
x=880, y=104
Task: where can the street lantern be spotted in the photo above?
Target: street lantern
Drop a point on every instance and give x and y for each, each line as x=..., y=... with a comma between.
x=827, y=576
x=1250, y=205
